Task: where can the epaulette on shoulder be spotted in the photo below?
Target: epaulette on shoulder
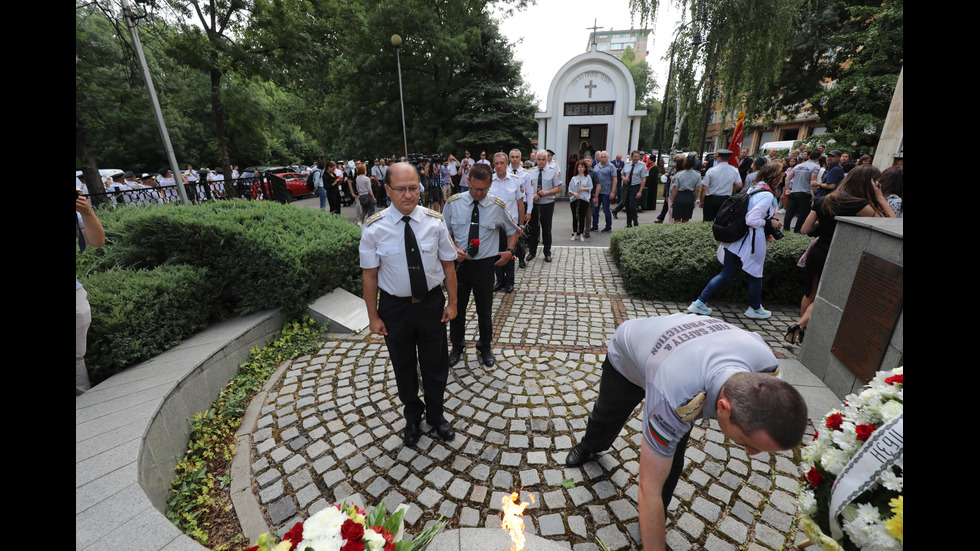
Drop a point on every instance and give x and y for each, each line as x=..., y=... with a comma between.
x=374, y=218
x=500, y=203
x=434, y=214
x=453, y=198
x=690, y=411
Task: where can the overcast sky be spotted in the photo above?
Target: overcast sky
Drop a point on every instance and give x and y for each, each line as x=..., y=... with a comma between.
x=549, y=33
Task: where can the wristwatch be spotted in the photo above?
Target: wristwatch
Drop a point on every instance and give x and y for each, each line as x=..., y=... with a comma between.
x=512, y=251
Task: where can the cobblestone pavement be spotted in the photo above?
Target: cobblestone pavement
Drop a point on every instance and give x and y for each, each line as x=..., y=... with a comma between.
x=331, y=428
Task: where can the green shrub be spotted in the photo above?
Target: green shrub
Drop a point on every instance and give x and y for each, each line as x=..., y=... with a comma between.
x=259, y=254
x=137, y=314
x=675, y=261
x=168, y=270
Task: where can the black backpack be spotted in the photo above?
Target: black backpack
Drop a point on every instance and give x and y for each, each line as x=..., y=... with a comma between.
x=310, y=181
x=729, y=224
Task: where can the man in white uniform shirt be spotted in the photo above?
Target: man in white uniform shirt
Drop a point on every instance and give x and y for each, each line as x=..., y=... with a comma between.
x=406, y=253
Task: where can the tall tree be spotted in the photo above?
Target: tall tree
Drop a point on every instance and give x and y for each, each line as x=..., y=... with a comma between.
x=734, y=65
x=456, y=71
x=850, y=79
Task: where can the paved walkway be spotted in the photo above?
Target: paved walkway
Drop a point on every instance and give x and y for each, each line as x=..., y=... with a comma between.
x=330, y=428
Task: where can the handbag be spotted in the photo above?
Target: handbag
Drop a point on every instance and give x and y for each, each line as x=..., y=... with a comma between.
x=802, y=261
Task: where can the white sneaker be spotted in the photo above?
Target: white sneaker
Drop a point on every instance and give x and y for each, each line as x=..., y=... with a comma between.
x=574, y=237
x=759, y=314
x=702, y=310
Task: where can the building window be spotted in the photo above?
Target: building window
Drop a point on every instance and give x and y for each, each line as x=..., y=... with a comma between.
x=589, y=109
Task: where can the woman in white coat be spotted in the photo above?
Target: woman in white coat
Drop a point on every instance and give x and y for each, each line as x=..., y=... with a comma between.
x=749, y=252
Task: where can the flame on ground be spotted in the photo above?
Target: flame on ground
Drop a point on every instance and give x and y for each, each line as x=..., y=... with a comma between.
x=513, y=518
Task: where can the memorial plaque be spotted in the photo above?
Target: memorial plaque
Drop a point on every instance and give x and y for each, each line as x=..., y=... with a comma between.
x=870, y=315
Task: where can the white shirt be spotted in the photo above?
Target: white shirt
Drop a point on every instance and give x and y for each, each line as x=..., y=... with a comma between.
x=383, y=246
x=508, y=190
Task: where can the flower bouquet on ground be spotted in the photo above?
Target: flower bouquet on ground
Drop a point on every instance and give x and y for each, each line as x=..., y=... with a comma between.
x=347, y=528
x=853, y=495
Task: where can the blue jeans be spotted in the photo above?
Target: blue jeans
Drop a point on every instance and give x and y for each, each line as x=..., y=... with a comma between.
x=323, y=197
x=731, y=267
x=604, y=205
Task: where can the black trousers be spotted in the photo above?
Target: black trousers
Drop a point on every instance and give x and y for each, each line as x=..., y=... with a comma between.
x=798, y=206
x=712, y=203
x=474, y=276
x=618, y=397
x=333, y=198
x=416, y=342
x=505, y=273
x=541, y=218
x=631, y=217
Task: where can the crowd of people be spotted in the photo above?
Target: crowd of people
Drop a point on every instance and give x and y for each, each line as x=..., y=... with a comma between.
x=454, y=228
x=420, y=267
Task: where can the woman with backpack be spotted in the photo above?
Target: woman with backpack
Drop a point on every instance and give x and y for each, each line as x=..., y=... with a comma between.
x=859, y=194
x=749, y=251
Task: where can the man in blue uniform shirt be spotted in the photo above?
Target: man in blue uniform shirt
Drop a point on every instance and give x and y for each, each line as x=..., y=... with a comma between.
x=475, y=220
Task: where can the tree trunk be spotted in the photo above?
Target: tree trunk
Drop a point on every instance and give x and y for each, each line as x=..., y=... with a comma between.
x=90, y=166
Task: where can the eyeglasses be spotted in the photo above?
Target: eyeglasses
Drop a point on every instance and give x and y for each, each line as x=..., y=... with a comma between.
x=479, y=189
x=409, y=189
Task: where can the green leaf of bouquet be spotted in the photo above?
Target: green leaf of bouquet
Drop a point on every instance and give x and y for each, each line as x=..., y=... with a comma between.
x=377, y=515
x=394, y=522
x=568, y=483
x=404, y=545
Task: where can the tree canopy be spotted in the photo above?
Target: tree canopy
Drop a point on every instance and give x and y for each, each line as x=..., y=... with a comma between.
x=286, y=81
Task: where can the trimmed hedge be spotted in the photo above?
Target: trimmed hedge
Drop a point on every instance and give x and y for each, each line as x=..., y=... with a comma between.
x=170, y=270
x=675, y=261
x=137, y=314
x=259, y=254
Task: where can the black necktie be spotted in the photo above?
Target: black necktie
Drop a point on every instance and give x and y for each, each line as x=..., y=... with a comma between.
x=629, y=179
x=416, y=273
x=474, y=246
x=540, y=186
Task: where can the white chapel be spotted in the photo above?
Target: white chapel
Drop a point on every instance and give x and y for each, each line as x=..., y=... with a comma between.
x=589, y=108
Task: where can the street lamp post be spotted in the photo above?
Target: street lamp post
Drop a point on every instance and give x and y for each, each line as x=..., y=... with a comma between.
x=396, y=41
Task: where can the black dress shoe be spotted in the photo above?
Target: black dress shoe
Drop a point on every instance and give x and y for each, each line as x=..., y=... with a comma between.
x=509, y=289
x=445, y=431
x=454, y=357
x=486, y=358
x=530, y=257
x=577, y=457
x=522, y=264
x=615, y=214
x=411, y=434
x=606, y=230
x=498, y=287
x=547, y=258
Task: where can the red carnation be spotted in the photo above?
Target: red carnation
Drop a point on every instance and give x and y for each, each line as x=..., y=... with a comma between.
x=816, y=435
x=295, y=535
x=353, y=546
x=834, y=421
x=814, y=477
x=895, y=379
x=864, y=431
x=352, y=531
x=253, y=548
x=475, y=242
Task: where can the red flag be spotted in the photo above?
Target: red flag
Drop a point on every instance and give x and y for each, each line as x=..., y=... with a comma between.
x=736, y=146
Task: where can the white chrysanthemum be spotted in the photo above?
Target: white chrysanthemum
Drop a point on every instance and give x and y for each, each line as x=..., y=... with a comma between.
x=322, y=530
x=881, y=540
x=892, y=481
x=807, y=502
x=834, y=461
x=846, y=438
